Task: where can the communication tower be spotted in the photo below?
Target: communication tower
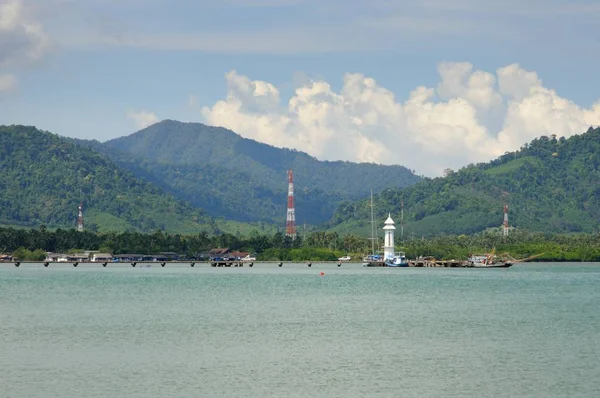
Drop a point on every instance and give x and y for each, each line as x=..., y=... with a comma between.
x=290, y=224
x=80, y=218
x=402, y=219
x=505, y=227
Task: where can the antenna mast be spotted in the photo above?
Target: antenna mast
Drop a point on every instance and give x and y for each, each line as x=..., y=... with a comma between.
x=372, y=226
x=290, y=225
x=80, y=218
x=505, y=227
x=402, y=219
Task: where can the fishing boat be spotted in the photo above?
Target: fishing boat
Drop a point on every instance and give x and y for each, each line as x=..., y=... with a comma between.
x=488, y=260
x=398, y=260
x=373, y=260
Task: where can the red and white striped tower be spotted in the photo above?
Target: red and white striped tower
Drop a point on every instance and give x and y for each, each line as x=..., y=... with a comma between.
x=290, y=224
x=80, y=218
x=505, y=229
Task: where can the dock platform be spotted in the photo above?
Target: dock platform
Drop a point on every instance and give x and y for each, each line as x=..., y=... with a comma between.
x=431, y=262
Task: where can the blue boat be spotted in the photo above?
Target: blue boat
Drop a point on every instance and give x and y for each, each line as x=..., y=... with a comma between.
x=398, y=260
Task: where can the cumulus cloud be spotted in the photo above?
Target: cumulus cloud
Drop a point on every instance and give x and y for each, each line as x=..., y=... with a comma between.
x=471, y=116
x=22, y=40
x=143, y=119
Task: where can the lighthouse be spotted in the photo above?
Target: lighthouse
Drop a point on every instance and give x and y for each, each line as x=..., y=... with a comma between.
x=388, y=248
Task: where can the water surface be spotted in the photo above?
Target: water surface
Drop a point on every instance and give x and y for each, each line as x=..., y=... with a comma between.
x=528, y=331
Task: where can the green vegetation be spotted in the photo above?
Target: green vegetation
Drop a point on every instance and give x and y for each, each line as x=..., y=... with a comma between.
x=316, y=246
x=240, y=179
x=551, y=185
x=44, y=177
x=23, y=254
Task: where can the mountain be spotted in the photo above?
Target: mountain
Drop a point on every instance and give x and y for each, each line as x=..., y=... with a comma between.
x=237, y=178
x=43, y=178
x=549, y=185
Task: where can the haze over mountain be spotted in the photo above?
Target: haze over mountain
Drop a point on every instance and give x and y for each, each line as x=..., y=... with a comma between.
x=241, y=179
x=550, y=185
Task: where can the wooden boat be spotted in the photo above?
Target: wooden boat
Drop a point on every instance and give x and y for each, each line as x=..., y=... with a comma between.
x=488, y=260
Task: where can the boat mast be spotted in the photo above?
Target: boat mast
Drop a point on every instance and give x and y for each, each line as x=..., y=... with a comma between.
x=372, y=226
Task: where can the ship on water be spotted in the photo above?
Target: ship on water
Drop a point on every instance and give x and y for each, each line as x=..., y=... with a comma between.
x=487, y=260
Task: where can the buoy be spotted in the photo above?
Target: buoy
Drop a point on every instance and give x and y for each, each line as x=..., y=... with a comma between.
x=280, y=264
x=309, y=264
x=322, y=273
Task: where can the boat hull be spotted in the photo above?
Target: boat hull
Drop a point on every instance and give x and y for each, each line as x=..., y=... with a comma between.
x=499, y=265
x=396, y=265
x=374, y=264
x=384, y=264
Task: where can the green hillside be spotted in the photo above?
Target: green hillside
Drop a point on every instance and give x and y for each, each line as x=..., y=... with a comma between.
x=240, y=179
x=44, y=177
x=550, y=185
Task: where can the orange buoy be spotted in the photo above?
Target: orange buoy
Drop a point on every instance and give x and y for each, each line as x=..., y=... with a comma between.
x=322, y=273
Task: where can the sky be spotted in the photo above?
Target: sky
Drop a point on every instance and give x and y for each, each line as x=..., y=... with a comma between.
x=427, y=84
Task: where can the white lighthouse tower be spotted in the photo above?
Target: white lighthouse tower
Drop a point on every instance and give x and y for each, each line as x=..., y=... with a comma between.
x=388, y=248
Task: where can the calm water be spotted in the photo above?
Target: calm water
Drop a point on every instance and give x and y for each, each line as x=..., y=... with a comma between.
x=532, y=330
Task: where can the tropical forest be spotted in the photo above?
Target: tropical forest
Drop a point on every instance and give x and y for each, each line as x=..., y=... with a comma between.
x=188, y=188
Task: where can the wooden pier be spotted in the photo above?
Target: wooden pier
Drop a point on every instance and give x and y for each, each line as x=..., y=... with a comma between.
x=229, y=263
x=427, y=262
x=433, y=263
x=143, y=264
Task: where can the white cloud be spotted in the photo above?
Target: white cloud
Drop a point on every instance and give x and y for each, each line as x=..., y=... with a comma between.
x=143, y=119
x=449, y=126
x=22, y=38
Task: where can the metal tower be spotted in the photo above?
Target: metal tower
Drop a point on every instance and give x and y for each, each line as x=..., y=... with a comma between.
x=80, y=218
x=290, y=224
x=505, y=227
x=402, y=219
x=373, y=238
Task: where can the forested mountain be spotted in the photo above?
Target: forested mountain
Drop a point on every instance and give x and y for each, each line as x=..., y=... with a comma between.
x=44, y=177
x=227, y=175
x=550, y=185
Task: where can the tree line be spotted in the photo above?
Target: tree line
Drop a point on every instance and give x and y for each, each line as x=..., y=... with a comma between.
x=32, y=244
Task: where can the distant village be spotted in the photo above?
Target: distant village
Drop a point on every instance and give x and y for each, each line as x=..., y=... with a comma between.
x=217, y=254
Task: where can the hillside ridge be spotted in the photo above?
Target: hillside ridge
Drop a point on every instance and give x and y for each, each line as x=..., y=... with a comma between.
x=228, y=175
x=549, y=185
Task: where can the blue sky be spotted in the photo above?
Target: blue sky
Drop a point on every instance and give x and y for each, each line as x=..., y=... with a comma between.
x=383, y=81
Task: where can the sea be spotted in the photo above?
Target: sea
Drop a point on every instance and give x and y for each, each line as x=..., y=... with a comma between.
x=532, y=330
